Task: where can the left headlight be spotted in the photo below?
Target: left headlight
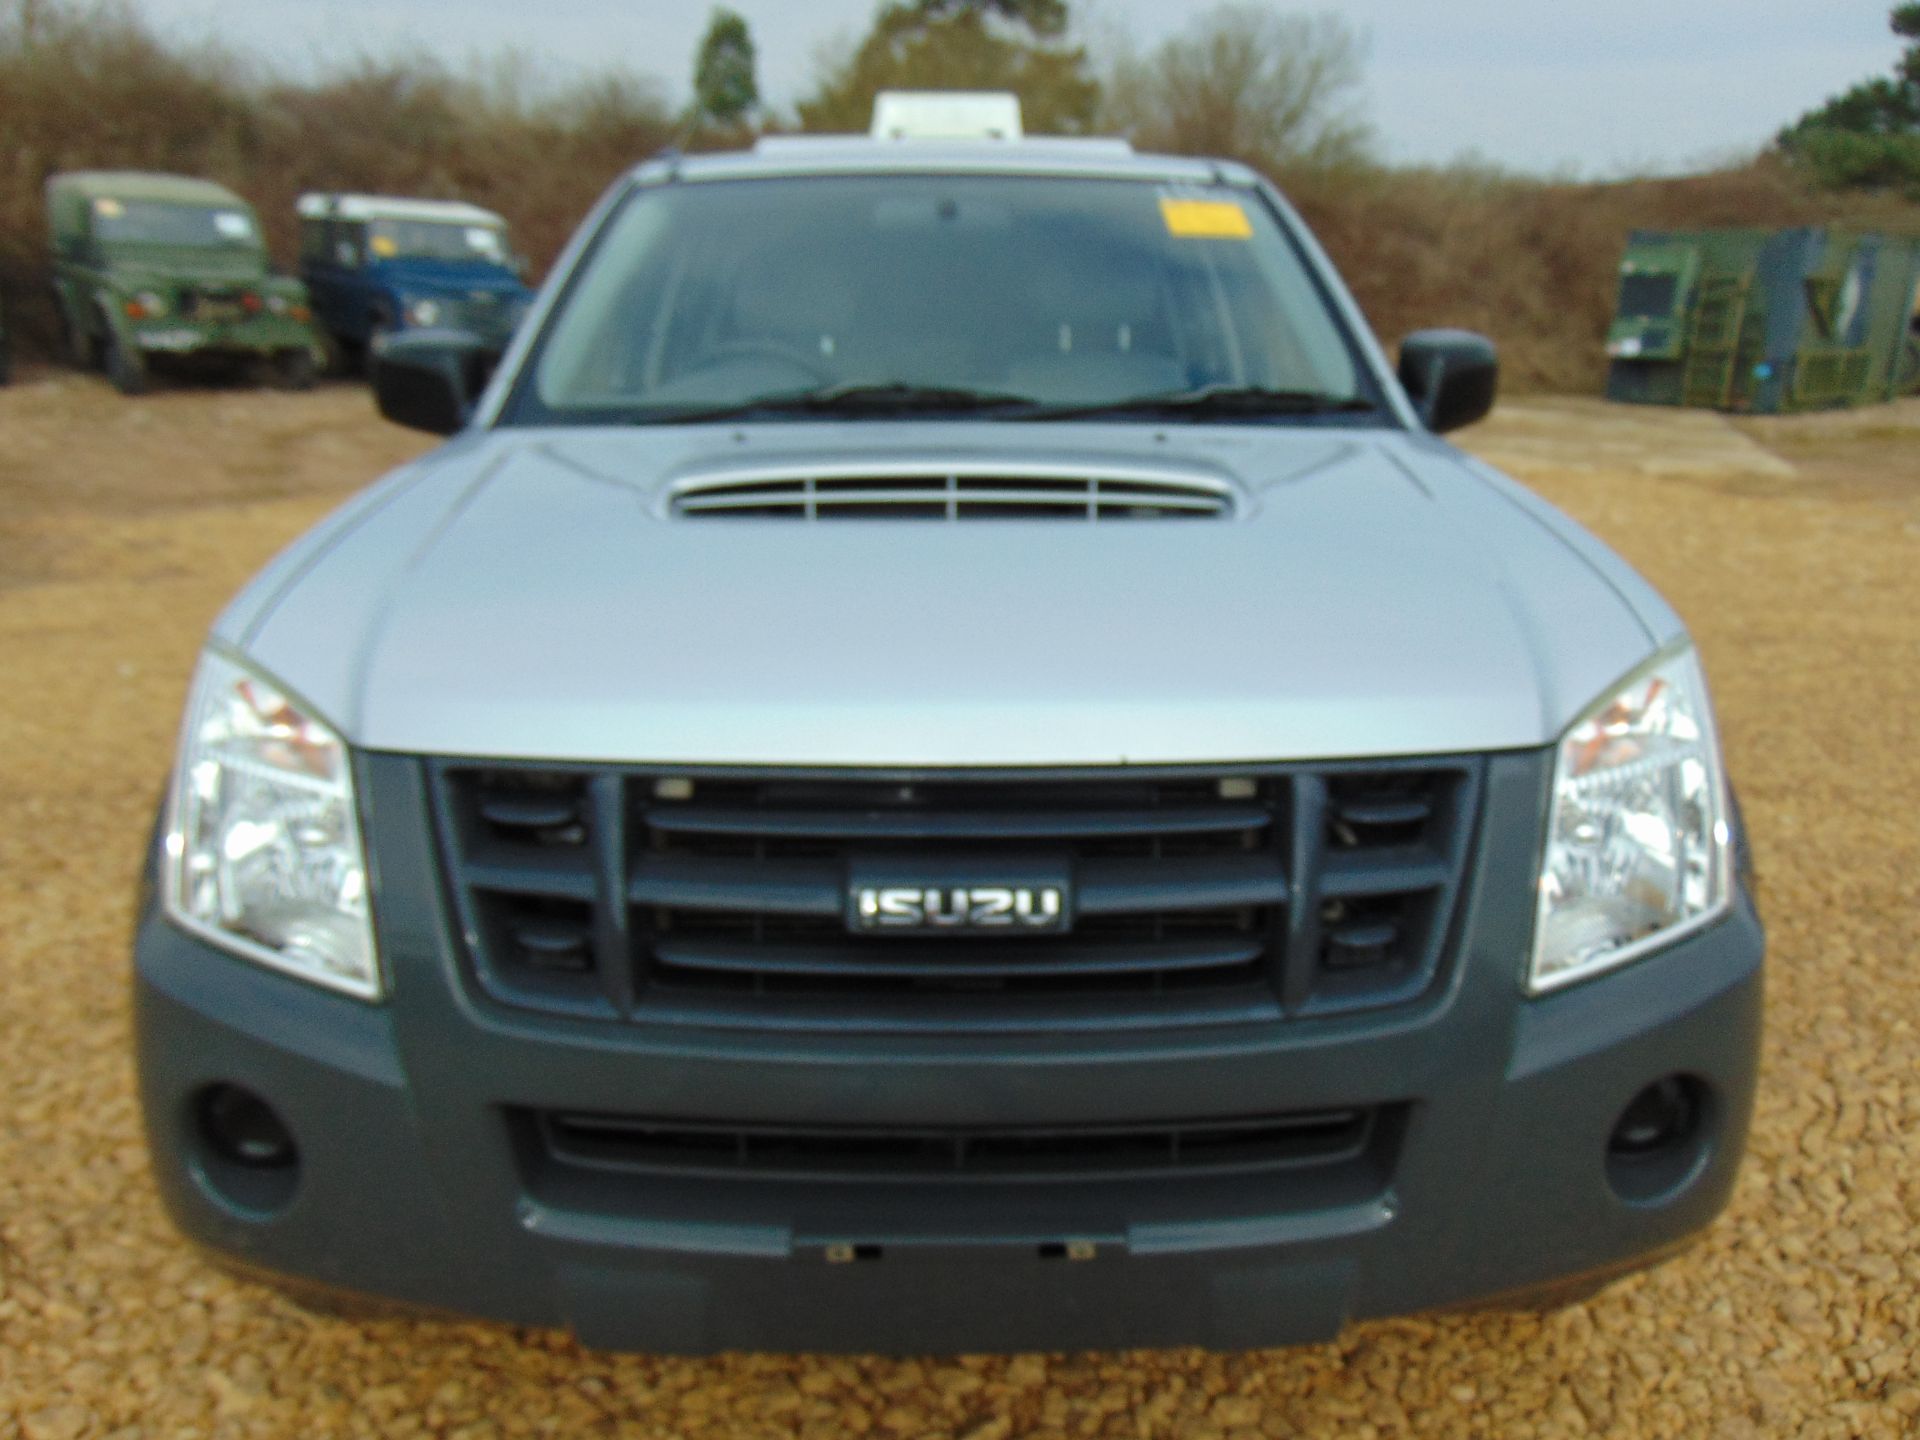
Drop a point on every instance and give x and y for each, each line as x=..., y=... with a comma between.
x=1639, y=849
x=263, y=852
x=424, y=313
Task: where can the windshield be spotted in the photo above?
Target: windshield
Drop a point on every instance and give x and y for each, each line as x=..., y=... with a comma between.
x=712, y=297
x=151, y=222
x=436, y=240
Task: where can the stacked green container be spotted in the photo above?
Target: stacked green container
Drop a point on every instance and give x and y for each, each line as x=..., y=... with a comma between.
x=1766, y=321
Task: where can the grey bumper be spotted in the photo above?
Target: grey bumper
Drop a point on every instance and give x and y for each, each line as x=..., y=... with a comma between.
x=414, y=1184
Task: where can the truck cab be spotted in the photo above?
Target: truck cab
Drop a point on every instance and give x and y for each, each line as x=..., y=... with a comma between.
x=379, y=264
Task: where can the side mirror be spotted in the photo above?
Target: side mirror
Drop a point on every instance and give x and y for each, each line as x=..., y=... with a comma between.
x=1450, y=375
x=429, y=379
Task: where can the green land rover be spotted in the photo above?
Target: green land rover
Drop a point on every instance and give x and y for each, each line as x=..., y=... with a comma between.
x=149, y=266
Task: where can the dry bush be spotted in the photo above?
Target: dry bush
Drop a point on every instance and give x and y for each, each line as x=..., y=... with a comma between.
x=1535, y=263
x=86, y=86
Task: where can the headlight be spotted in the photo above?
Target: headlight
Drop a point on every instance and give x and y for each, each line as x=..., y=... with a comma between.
x=424, y=312
x=1638, y=844
x=263, y=842
x=152, y=305
x=278, y=304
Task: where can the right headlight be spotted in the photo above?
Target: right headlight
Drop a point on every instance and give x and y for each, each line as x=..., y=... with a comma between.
x=263, y=854
x=1639, y=849
x=424, y=313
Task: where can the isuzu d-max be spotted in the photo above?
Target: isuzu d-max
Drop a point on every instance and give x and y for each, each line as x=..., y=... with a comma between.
x=945, y=761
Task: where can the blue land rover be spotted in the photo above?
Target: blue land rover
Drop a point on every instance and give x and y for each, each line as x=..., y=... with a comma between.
x=377, y=265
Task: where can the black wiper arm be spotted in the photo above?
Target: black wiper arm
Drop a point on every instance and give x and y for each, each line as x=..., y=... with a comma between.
x=1210, y=400
x=851, y=399
x=892, y=396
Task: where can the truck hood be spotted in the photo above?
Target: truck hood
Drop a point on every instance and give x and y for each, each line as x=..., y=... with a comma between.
x=170, y=265
x=414, y=275
x=526, y=593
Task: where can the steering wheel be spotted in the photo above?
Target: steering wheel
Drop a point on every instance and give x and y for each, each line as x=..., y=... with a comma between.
x=766, y=345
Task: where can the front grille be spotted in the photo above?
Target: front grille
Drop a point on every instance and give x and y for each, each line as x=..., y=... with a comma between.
x=656, y=1147
x=1201, y=897
x=212, y=306
x=961, y=495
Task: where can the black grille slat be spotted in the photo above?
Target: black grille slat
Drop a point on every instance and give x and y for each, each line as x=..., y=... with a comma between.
x=1195, y=895
x=1384, y=873
x=773, y=887
x=1385, y=811
x=1124, y=887
x=953, y=825
x=533, y=873
x=530, y=811
x=937, y=959
x=642, y=1145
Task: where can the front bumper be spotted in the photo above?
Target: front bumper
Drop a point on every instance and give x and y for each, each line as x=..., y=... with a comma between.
x=413, y=1183
x=264, y=334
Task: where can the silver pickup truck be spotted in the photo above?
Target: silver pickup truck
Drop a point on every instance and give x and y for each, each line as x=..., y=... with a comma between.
x=946, y=761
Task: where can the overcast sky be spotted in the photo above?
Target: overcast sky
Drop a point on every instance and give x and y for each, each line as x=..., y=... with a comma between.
x=1595, y=88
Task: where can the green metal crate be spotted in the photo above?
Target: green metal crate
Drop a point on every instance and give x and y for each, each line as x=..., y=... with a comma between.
x=1766, y=321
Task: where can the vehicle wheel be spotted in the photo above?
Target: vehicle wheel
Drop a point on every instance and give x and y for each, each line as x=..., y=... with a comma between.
x=295, y=370
x=126, y=367
x=338, y=361
x=383, y=330
x=77, y=344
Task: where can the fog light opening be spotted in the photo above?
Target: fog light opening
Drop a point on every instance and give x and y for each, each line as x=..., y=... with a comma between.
x=245, y=1129
x=245, y=1156
x=1661, y=1140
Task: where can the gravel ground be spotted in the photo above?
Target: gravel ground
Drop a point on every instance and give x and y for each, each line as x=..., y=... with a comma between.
x=1794, y=549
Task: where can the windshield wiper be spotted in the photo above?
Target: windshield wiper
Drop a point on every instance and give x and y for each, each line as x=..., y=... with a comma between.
x=851, y=399
x=1209, y=401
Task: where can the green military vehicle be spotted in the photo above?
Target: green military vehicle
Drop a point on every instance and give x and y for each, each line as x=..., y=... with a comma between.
x=160, y=267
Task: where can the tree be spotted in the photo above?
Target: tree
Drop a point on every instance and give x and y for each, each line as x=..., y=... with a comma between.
x=1250, y=84
x=1868, y=137
x=962, y=45
x=724, y=88
x=1043, y=18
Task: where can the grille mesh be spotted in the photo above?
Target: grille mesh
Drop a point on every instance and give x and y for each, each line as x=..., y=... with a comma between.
x=1195, y=897
x=1260, y=1144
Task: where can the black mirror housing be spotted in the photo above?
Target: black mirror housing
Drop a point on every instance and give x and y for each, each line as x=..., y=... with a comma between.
x=429, y=379
x=1452, y=376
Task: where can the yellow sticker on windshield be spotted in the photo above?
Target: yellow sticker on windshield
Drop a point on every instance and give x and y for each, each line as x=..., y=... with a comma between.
x=1206, y=219
x=383, y=246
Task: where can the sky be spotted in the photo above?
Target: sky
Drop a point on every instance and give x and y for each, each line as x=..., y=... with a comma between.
x=1587, y=89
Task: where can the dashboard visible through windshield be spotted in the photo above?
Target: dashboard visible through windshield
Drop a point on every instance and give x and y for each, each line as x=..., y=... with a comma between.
x=893, y=293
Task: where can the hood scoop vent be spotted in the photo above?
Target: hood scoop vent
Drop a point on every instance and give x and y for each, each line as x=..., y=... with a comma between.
x=1000, y=493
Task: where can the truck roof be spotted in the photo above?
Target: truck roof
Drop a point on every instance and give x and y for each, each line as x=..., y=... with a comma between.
x=860, y=154
x=142, y=185
x=316, y=205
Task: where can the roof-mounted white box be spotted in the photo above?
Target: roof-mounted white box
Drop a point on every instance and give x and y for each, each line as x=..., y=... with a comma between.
x=946, y=115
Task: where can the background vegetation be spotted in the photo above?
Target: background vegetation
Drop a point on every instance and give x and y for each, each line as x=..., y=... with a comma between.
x=83, y=84
x=1869, y=137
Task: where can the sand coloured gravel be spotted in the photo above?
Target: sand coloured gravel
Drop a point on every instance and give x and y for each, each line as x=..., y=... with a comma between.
x=1792, y=547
